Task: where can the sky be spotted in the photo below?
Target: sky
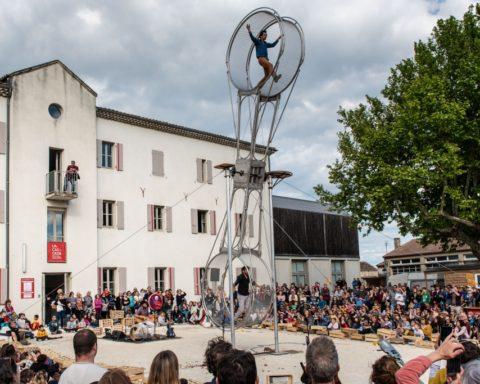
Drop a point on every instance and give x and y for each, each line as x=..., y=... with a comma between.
x=166, y=60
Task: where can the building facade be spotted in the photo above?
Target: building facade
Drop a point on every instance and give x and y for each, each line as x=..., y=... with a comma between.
x=145, y=211
x=313, y=244
x=415, y=264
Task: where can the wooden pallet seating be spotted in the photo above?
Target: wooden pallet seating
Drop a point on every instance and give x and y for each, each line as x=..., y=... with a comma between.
x=371, y=337
x=336, y=334
x=117, y=315
x=357, y=336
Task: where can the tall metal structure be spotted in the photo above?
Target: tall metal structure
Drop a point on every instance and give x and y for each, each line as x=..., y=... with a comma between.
x=257, y=114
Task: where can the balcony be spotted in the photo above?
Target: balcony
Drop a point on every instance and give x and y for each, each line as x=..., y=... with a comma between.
x=59, y=188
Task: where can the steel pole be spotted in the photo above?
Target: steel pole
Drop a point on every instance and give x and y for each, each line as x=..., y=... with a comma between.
x=272, y=262
x=228, y=176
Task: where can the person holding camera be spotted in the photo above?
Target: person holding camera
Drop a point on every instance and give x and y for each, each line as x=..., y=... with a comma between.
x=410, y=373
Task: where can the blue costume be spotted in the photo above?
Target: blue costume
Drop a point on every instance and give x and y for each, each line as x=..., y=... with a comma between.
x=261, y=46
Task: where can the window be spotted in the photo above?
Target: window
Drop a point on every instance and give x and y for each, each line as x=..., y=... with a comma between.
x=55, y=225
x=108, y=213
x=158, y=217
x=159, y=279
x=204, y=170
x=337, y=271
x=405, y=269
x=299, y=272
x=107, y=154
x=202, y=221
x=109, y=279
x=55, y=110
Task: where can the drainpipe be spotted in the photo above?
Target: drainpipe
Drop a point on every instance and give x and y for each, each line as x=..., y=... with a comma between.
x=7, y=191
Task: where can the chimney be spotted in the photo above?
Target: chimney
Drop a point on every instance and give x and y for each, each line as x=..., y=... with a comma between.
x=396, y=243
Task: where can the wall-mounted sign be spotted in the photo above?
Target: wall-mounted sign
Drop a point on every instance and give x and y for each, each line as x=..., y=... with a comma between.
x=27, y=288
x=57, y=252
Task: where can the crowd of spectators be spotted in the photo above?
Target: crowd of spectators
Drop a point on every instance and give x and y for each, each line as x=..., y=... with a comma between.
x=416, y=311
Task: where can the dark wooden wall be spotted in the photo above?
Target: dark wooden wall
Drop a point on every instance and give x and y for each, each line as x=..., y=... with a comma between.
x=311, y=230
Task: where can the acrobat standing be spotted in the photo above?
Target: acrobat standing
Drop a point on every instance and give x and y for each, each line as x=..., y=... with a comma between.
x=261, y=48
x=243, y=293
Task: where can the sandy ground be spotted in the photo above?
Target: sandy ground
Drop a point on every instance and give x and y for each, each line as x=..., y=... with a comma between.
x=356, y=357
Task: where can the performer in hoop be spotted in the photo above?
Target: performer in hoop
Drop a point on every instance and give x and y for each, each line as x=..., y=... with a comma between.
x=261, y=48
x=243, y=291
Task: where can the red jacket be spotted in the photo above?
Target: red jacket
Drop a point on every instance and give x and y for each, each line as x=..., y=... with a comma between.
x=410, y=373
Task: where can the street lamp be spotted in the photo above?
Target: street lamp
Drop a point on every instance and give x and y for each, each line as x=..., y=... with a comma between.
x=273, y=179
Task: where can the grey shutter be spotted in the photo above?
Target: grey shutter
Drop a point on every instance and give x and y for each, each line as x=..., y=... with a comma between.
x=2, y=206
x=99, y=153
x=3, y=137
x=150, y=217
x=151, y=277
x=199, y=171
x=3, y=284
x=194, y=217
x=209, y=172
x=213, y=223
x=122, y=280
x=119, y=156
x=168, y=214
x=120, y=215
x=250, y=226
x=99, y=213
x=157, y=163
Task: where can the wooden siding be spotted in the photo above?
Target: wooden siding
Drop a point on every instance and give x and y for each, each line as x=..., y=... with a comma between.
x=317, y=234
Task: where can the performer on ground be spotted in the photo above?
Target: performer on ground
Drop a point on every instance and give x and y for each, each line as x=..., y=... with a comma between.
x=261, y=48
x=243, y=283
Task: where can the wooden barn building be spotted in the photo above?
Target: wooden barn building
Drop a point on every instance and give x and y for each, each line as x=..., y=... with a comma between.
x=313, y=244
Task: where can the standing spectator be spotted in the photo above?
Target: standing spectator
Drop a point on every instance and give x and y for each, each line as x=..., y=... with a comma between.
x=71, y=177
x=322, y=361
x=88, y=302
x=237, y=367
x=60, y=305
x=164, y=369
x=84, y=370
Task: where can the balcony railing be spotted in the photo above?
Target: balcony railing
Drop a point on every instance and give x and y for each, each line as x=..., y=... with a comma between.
x=59, y=187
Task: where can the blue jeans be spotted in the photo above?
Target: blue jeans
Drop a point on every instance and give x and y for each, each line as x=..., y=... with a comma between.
x=61, y=318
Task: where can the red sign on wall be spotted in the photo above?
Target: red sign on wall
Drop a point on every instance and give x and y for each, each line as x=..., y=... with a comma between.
x=27, y=288
x=57, y=252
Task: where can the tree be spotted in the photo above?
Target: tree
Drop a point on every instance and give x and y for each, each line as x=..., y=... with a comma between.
x=413, y=155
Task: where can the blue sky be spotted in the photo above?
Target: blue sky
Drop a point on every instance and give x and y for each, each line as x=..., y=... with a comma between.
x=165, y=60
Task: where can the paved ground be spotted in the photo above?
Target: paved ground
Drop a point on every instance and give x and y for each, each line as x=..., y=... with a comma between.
x=356, y=357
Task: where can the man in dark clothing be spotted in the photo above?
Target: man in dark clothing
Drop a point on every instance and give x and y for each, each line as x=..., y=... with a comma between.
x=243, y=283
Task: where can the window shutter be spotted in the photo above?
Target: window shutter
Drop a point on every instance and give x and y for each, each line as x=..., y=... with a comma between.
x=209, y=172
x=99, y=153
x=150, y=217
x=2, y=206
x=213, y=223
x=100, y=279
x=157, y=163
x=3, y=285
x=119, y=157
x=199, y=171
x=168, y=214
x=250, y=226
x=171, y=278
x=120, y=215
x=194, y=217
x=122, y=280
x=196, y=280
x=99, y=213
x=151, y=277
x=3, y=137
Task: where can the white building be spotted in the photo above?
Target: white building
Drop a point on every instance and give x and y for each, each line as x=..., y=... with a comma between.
x=134, y=220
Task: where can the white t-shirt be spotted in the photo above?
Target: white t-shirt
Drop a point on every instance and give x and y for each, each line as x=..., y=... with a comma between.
x=82, y=373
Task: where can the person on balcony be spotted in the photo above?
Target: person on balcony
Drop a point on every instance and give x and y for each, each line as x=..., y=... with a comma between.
x=71, y=177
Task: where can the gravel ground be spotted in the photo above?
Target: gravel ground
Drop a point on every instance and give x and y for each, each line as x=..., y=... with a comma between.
x=356, y=357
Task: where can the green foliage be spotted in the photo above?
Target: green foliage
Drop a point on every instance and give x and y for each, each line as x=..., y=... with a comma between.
x=413, y=155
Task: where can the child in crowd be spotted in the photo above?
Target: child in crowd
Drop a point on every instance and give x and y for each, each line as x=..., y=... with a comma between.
x=54, y=326
x=72, y=324
x=41, y=334
x=35, y=325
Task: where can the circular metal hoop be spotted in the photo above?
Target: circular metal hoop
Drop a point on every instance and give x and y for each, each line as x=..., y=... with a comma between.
x=215, y=290
x=287, y=56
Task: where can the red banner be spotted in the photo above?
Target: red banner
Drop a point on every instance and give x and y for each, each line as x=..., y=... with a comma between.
x=27, y=288
x=57, y=252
